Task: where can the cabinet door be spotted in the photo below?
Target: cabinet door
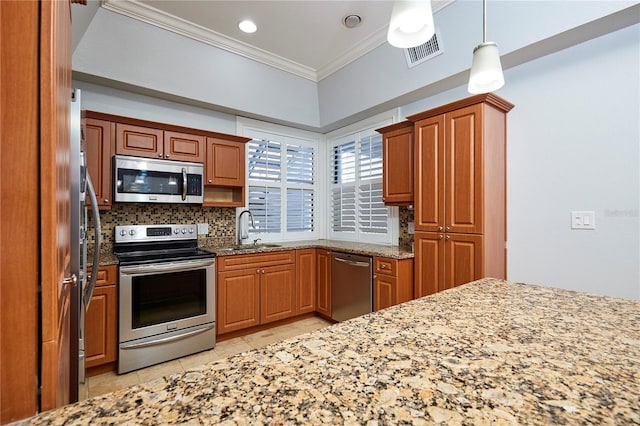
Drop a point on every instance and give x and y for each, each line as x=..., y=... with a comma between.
x=101, y=325
x=184, y=147
x=463, y=260
x=99, y=145
x=464, y=169
x=238, y=300
x=139, y=141
x=384, y=291
x=323, y=294
x=277, y=293
x=305, y=281
x=430, y=174
x=397, y=167
x=429, y=262
x=225, y=163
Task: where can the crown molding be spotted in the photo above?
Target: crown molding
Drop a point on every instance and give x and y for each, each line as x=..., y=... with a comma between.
x=153, y=16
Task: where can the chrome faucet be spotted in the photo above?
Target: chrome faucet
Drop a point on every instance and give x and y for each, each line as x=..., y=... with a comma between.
x=242, y=235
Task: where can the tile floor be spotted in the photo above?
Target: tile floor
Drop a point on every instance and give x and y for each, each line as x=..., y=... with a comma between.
x=109, y=382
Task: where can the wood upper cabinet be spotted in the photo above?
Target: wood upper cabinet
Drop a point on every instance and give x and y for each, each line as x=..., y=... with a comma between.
x=99, y=146
x=397, y=163
x=225, y=162
x=225, y=172
x=139, y=141
x=392, y=282
x=184, y=147
x=323, y=293
x=157, y=143
x=101, y=320
x=306, y=280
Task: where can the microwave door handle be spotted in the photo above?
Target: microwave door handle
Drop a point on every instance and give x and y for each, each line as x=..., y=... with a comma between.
x=96, y=248
x=184, y=184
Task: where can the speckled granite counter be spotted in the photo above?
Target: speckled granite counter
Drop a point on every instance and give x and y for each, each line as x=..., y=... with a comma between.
x=394, y=252
x=489, y=352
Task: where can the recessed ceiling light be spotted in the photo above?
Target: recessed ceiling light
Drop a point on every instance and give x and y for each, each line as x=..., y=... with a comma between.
x=352, y=21
x=247, y=26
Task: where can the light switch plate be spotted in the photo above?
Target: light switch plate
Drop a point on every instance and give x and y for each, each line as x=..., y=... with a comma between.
x=583, y=220
x=411, y=227
x=203, y=229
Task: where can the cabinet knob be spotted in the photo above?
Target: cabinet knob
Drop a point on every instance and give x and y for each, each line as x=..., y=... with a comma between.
x=209, y=180
x=167, y=156
x=160, y=155
x=439, y=228
x=440, y=236
x=447, y=238
x=447, y=229
x=383, y=266
x=106, y=201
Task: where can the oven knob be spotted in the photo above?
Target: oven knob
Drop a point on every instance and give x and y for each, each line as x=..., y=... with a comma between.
x=132, y=232
x=176, y=231
x=184, y=230
x=123, y=232
x=191, y=230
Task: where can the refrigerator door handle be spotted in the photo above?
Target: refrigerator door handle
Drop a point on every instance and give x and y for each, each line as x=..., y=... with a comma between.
x=96, y=248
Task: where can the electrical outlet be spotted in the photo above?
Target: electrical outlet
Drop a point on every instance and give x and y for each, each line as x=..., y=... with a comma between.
x=412, y=227
x=203, y=229
x=583, y=220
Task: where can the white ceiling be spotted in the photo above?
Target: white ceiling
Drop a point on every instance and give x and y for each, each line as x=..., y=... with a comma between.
x=304, y=37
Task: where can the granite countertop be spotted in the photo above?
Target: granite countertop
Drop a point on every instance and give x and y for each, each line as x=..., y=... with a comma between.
x=395, y=252
x=488, y=352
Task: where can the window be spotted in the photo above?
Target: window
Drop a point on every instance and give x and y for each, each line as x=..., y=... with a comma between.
x=282, y=184
x=357, y=211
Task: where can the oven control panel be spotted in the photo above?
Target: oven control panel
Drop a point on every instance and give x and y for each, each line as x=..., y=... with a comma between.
x=148, y=233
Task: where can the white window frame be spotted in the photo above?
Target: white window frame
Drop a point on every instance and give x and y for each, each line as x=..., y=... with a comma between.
x=357, y=132
x=256, y=129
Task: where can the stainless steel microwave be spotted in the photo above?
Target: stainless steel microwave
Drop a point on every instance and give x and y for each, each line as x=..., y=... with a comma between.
x=147, y=180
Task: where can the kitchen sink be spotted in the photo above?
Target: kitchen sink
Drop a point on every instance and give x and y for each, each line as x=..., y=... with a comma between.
x=248, y=247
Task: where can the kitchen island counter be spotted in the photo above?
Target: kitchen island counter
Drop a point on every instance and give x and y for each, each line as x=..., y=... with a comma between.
x=488, y=352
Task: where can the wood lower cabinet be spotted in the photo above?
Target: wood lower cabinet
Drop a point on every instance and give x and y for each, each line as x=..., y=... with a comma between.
x=444, y=261
x=101, y=320
x=254, y=289
x=397, y=163
x=277, y=293
x=238, y=300
x=99, y=146
x=306, y=281
x=323, y=274
x=392, y=282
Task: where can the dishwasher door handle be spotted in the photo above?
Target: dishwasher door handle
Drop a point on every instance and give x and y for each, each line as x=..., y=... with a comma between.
x=352, y=262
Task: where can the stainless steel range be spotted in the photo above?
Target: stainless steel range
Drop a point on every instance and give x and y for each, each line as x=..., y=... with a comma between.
x=166, y=294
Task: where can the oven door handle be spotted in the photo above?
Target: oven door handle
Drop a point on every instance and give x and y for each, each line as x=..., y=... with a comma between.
x=155, y=342
x=166, y=267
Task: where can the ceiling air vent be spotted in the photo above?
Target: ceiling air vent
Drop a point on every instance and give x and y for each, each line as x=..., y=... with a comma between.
x=419, y=54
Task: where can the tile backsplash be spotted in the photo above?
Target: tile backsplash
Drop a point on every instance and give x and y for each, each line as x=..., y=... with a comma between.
x=405, y=216
x=221, y=220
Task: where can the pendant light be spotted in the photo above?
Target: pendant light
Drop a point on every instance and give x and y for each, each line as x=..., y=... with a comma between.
x=411, y=23
x=486, y=69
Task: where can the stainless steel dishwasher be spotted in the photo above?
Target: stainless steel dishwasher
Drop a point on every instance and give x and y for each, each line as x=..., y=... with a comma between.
x=351, y=286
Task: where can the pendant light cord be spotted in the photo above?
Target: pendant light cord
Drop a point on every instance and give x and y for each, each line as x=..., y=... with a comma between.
x=484, y=21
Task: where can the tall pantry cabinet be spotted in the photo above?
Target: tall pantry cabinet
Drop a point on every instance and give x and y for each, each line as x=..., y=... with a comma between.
x=460, y=193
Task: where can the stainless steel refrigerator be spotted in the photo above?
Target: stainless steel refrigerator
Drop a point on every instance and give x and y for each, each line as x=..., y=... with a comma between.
x=80, y=294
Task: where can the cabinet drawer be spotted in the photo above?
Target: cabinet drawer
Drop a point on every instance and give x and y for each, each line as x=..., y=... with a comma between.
x=234, y=262
x=107, y=275
x=383, y=265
